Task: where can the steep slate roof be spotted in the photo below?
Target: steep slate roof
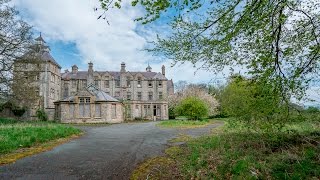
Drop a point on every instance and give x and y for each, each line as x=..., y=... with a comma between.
x=40, y=52
x=92, y=90
x=115, y=74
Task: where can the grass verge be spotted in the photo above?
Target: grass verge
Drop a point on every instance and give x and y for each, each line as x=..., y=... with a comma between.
x=20, y=139
x=184, y=123
x=235, y=153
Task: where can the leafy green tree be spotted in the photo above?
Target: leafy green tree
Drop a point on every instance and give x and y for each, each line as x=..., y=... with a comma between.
x=192, y=107
x=277, y=41
x=254, y=102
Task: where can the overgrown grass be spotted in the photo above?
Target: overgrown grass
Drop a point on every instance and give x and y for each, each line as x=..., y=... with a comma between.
x=15, y=135
x=236, y=153
x=184, y=123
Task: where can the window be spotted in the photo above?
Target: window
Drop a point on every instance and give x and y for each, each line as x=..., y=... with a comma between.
x=128, y=111
x=160, y=84
x=84, y=82
x=114, y=110
x=106, y=84
x=139, y=82
x=128, y=82
x=165, y=110
x=96, y=83
x=139, y=95
x=74, y=83
x=147, y=110
x=128, y=95
x=52, y=77
x=150, y=95
x=137, y=106
x=117, y=82
x=71, y=110
x=149, y=83
x=58, y=94
x=36, y=77
x=160, y=95
x=84, y=100
x=52, y=93
x=117, y=94
x=97, y=110
x=84, y=107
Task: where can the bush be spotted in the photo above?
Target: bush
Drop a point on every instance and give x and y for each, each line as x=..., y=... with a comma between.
x=42, y=115
x=193, y=108
x=172, y=114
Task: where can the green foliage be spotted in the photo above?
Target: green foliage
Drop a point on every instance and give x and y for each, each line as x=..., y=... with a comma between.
x=276, y=41
x=172, y=114
x=22, y=135
x=234, y=153
x=312, y=109
x=41, y=115
x=255, y=102
x=192, y=107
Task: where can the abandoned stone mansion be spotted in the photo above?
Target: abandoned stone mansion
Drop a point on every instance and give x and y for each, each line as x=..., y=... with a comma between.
x=97, y=96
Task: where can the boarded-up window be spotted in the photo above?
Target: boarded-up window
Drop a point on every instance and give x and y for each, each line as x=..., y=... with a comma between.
x=97, y=110
x=114, y=110
x=71, y=110
x=84, y=107
x=81, y=110
x=87, y=110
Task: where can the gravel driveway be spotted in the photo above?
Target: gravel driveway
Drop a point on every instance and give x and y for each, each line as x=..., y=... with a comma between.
x=105, y=152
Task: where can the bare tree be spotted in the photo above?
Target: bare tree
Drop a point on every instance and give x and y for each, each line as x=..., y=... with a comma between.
x=15, y=40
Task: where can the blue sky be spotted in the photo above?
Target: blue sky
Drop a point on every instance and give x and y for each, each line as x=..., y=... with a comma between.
x=75, y=36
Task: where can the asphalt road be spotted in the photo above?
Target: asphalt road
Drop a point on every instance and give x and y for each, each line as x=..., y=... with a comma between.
x=106, y=152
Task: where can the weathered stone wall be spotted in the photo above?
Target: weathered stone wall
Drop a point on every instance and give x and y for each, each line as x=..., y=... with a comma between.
x=106, y=113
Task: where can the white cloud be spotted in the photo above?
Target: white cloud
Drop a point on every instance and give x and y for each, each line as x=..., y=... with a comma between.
x=105, y=45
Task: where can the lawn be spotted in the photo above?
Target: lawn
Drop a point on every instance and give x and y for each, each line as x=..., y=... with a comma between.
x=15, y=135
x=184, y=123
x=235, y=153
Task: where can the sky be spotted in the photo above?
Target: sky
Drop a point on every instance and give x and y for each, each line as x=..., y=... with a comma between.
x=75, y=36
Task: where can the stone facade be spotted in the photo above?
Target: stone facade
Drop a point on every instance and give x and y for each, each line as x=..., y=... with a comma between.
x=47, y=79
x=143, y=94
x=139, y=95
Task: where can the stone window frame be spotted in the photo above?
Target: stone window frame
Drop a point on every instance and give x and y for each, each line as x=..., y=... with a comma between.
x=129, y=95
x=117, y=83
x=150, y=95
x=84, y=102
x=160, y=84
x=160, y=95
x=106, y=83
x=128, y=81
x=139, y=82
x=117, y=94
x=97, y=115
x=150, y=83
x=113, y=111
x=139, y=95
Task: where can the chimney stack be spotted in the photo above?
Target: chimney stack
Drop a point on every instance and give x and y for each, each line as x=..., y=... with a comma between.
x=123, y=67
x=163, y=70
x=74, y=69
x=90, y=70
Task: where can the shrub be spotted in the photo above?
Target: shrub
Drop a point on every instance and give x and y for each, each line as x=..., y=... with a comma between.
x=192, y=107
x=172, y=114
x=42, y=115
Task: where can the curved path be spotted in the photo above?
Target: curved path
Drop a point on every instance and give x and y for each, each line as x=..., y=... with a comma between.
x=105, y=152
